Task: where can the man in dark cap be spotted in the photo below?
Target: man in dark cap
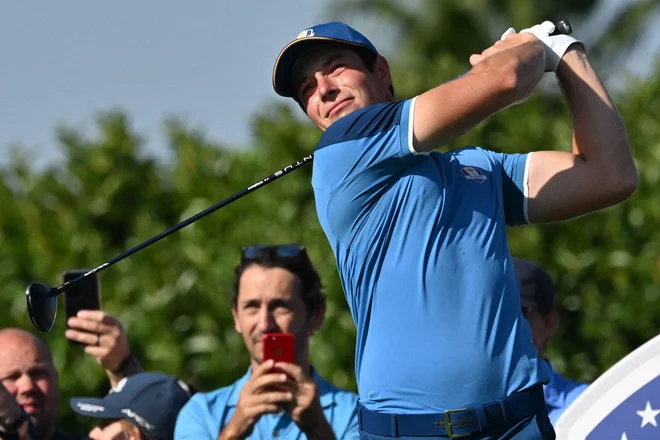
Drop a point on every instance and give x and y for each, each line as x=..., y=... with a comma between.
x=537, y=300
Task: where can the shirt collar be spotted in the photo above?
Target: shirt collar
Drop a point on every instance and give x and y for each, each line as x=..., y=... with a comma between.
x=326, y=390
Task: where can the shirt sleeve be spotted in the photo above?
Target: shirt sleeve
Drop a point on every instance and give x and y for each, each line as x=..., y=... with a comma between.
x=515, y=175
x=190, y=423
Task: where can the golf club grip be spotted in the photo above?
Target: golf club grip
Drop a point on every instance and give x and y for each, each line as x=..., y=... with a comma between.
x=276, y=175
x=562, y=27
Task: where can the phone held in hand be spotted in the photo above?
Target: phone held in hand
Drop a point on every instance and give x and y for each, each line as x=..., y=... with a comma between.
x=280, y=347
x=86, y=295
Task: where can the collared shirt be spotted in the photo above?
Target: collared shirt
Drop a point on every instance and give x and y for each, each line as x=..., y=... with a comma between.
x=206, y=414
x=560, y=392
x=421, y=247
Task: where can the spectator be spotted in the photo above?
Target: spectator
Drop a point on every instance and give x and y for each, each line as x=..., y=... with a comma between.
x=29, y=379
x=143, y=406
x=537, y=299
x=276, y=289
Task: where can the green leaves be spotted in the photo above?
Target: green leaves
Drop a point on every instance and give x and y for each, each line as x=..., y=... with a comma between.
x=174, y=297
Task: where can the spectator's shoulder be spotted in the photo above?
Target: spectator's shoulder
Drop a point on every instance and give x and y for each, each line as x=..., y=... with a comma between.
x=363, y=123
x=205, y=401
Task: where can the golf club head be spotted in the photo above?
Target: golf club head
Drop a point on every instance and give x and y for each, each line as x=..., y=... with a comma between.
x=42, y=306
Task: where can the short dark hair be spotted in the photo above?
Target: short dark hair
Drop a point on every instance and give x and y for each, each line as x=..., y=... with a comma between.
x=300, y=265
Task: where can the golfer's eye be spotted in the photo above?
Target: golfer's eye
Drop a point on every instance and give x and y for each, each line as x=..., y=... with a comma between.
x=306, y=90
x=337, y=68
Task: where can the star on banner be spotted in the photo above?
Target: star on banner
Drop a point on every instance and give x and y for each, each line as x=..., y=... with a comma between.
x=648, y=415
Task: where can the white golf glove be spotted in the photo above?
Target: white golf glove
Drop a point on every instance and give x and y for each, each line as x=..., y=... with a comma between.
x=555, y=45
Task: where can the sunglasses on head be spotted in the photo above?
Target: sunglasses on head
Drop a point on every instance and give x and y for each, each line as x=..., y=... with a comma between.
x=281, y=250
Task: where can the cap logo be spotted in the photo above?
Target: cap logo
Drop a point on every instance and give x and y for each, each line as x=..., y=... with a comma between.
x=306, y=33
x=139, y=420
x=120, y=386
x=183, y=386
x=90, y=407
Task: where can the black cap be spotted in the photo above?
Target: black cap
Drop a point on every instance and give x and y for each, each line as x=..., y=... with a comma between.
x=536, y=287
x=151, y=400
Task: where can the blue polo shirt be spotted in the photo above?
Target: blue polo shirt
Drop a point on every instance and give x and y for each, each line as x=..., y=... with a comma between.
x=421, y=248
x=560, y=393
x=206, y=414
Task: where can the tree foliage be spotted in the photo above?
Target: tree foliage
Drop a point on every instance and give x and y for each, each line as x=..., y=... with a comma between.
x=173, y=297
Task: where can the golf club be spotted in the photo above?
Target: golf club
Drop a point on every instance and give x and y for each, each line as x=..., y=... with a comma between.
x=562, y=27
x=42, y=299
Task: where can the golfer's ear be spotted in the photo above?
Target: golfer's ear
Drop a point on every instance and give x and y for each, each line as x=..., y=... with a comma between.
x=382, y=70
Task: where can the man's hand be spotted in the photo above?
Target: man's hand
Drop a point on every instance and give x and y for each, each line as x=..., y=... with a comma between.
x=104, y=336
x=265, y=392
x=509, y=40
x=305, y=408
x=10, y=412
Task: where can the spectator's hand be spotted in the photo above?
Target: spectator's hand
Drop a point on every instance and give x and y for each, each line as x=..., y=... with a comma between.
x=10, y=411
x=262, y=394
x=305, y=409
x=104, y=336
x=9, y=407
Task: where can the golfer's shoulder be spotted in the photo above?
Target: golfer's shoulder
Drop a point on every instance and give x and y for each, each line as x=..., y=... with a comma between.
x=367, y=122
x=471, y=155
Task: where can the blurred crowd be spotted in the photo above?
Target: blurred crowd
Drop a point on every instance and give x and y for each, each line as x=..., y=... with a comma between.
x=276, y=290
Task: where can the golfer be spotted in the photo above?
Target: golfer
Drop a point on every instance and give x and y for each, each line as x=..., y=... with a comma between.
x=420, y=237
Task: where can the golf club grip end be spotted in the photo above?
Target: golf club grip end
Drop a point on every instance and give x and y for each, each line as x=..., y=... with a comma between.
x=562, y=27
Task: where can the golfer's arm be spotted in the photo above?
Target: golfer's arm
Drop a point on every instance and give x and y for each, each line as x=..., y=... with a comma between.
x=600, y=171
x=449, y=110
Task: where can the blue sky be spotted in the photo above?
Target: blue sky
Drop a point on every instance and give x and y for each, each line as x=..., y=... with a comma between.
x=206, y=61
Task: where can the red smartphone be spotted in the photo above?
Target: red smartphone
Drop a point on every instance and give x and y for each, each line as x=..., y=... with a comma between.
x=86, y=295
x=281, y=347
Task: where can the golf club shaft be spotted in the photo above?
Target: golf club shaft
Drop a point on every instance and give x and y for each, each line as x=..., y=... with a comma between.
x=562, y=27
x=276, y=175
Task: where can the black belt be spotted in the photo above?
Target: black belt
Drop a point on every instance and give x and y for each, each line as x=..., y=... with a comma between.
x=456, y=423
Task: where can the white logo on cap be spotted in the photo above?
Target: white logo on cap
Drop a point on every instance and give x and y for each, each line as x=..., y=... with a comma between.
x=139, y=420
x=306, y=33
x=120, y=386
x=90, y=407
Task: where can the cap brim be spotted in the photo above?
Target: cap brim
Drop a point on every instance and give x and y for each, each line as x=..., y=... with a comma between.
x=92, y=407
x=283, y=70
